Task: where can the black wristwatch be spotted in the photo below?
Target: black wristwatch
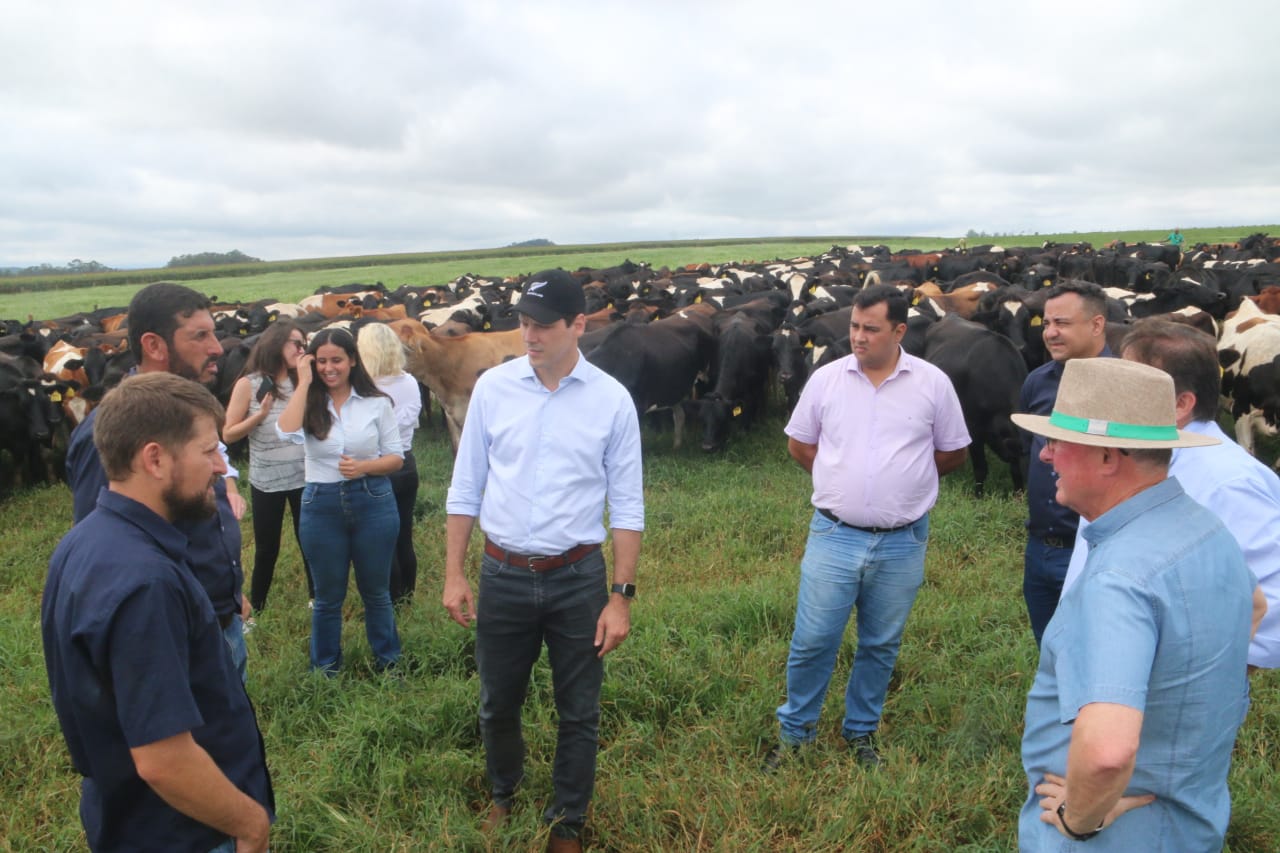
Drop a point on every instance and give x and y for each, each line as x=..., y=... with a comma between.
x=1078, y=836
x=626, y=590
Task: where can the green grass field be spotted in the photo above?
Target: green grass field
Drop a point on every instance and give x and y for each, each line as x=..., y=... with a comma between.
x=360, y=763
x=364, y=764
x=56, y=296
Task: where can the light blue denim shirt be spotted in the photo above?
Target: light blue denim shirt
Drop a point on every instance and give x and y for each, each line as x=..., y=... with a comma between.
x=537, y=466
x=1158, y=621
x=1245, y=494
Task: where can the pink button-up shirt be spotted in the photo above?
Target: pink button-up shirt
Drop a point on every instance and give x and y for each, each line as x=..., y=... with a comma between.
x=874, y=466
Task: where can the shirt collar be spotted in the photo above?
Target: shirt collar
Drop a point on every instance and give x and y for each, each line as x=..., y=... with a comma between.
x=904, y=363
x=1114, y=519
x=172, y=540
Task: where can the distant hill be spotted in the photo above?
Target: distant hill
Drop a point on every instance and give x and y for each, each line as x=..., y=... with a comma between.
x=540, y=241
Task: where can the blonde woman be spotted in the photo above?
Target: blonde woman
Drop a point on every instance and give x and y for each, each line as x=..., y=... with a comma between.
x=382, y=354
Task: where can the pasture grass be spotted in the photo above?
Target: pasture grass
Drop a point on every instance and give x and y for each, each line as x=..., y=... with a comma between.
x=366, y=763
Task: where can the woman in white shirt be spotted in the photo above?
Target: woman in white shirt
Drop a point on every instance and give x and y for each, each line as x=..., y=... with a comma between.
x=382, y=354
x=276, y=474
x=348, y=510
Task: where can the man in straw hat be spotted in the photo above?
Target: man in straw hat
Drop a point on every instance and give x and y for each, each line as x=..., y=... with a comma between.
x=1141, y=687
x=1239, y=488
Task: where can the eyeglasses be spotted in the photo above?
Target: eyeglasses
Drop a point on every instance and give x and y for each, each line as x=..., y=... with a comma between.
x=296, y=343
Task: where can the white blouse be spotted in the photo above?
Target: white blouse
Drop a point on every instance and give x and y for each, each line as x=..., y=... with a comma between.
x=365, y=429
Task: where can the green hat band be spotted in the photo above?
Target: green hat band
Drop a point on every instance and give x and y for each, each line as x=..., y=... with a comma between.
x=1089, y=426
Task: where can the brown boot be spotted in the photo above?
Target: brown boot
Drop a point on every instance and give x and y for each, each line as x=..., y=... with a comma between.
x=556, y=844
x=496, y=817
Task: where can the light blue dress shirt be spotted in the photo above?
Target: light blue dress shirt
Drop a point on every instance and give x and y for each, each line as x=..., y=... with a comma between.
x=537, y=466
x=1159, y=622
x=365, y=429
x=1245, y=494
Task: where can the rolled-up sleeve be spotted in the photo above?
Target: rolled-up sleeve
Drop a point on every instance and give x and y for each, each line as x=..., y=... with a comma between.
x=624, y=470
x=471, y=465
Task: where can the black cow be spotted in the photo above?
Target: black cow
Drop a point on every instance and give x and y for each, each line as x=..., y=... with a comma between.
x=796, y=346
x=656, y=362
x=25, y=415
x=740, y=374
x=987, y=371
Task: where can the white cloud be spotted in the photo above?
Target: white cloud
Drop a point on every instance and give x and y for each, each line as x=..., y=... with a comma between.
x=141, y=130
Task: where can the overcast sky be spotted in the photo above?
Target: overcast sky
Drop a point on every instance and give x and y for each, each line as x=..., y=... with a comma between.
x=136, y=131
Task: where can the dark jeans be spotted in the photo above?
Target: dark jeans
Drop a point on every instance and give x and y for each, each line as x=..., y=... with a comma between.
x=268, y=521
x=1044, y=569
x=404, y=563
x=518, y=611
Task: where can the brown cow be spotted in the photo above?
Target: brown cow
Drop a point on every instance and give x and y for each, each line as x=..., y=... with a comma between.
x=449, y=367
x=1268, y=301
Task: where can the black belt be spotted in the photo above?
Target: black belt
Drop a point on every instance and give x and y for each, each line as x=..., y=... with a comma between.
x=224, y=620
x=831, y=516
x=1059, y=541
x=539, y=564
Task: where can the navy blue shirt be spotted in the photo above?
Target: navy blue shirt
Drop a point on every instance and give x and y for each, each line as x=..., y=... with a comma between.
x=214, y=550
x=1045, y=516
x=135, y=655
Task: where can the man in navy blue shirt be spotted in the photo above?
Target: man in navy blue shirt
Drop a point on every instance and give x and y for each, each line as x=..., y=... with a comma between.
x=1075, y=326
x=150, y=704
x=171, y=330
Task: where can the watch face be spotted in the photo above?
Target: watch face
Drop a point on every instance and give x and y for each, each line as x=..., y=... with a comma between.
x=626, y=590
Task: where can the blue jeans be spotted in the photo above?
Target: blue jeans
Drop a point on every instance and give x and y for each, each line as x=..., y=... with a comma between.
x=1044, y=570
x=518, y=610
x=350, y=523
x=843, y=567
x=234, y=635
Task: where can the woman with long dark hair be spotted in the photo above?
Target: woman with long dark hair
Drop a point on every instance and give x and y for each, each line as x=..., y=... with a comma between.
x=349, y=513
x=276, y=473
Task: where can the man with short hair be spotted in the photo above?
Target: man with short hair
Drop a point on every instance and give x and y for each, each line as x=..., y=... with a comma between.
x=171, y=330
x=1075, y=326
x=549, y=440
x=876, y=429
x=1243, y=492
x=150, y=704
x=1141, y=686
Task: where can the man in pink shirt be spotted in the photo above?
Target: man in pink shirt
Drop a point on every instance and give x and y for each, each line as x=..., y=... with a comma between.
x=876, y=429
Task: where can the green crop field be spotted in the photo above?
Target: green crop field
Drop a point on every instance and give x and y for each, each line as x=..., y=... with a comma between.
x=361, y=763
x=55, y=296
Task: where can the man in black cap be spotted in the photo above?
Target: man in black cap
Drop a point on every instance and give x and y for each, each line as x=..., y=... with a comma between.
x=549, y=440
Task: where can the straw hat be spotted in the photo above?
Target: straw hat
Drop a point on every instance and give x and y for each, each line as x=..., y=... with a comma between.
x=1109, y=402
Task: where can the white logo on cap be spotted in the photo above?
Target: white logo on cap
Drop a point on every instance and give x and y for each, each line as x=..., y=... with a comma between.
x=534, y=288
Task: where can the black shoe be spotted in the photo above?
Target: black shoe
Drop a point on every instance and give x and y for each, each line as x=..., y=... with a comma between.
x=864, y=751
x=781, y=752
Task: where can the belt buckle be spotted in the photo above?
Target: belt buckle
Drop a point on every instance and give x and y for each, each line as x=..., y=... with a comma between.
x=535, y=561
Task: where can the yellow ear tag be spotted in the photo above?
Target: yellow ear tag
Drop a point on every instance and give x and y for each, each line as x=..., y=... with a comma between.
x=1048, y=282
x=1037, y=321
x=55, y=397
x=71, y=392
x=243, y=331
x=737, y=410
x=697, y=299
x=808, y=344
x=915, y=300
x=487, y=325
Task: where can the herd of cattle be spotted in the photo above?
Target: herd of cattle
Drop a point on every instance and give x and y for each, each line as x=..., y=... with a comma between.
x=711, y=343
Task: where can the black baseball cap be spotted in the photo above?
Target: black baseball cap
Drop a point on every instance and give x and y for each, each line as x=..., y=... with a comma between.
x=552, y=295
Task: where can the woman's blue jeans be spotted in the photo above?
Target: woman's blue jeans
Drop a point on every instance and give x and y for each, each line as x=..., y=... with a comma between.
x=879, y=573
x=353, y=522
x=518, y=610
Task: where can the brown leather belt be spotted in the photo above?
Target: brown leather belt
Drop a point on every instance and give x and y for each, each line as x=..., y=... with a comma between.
x=539, y=564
